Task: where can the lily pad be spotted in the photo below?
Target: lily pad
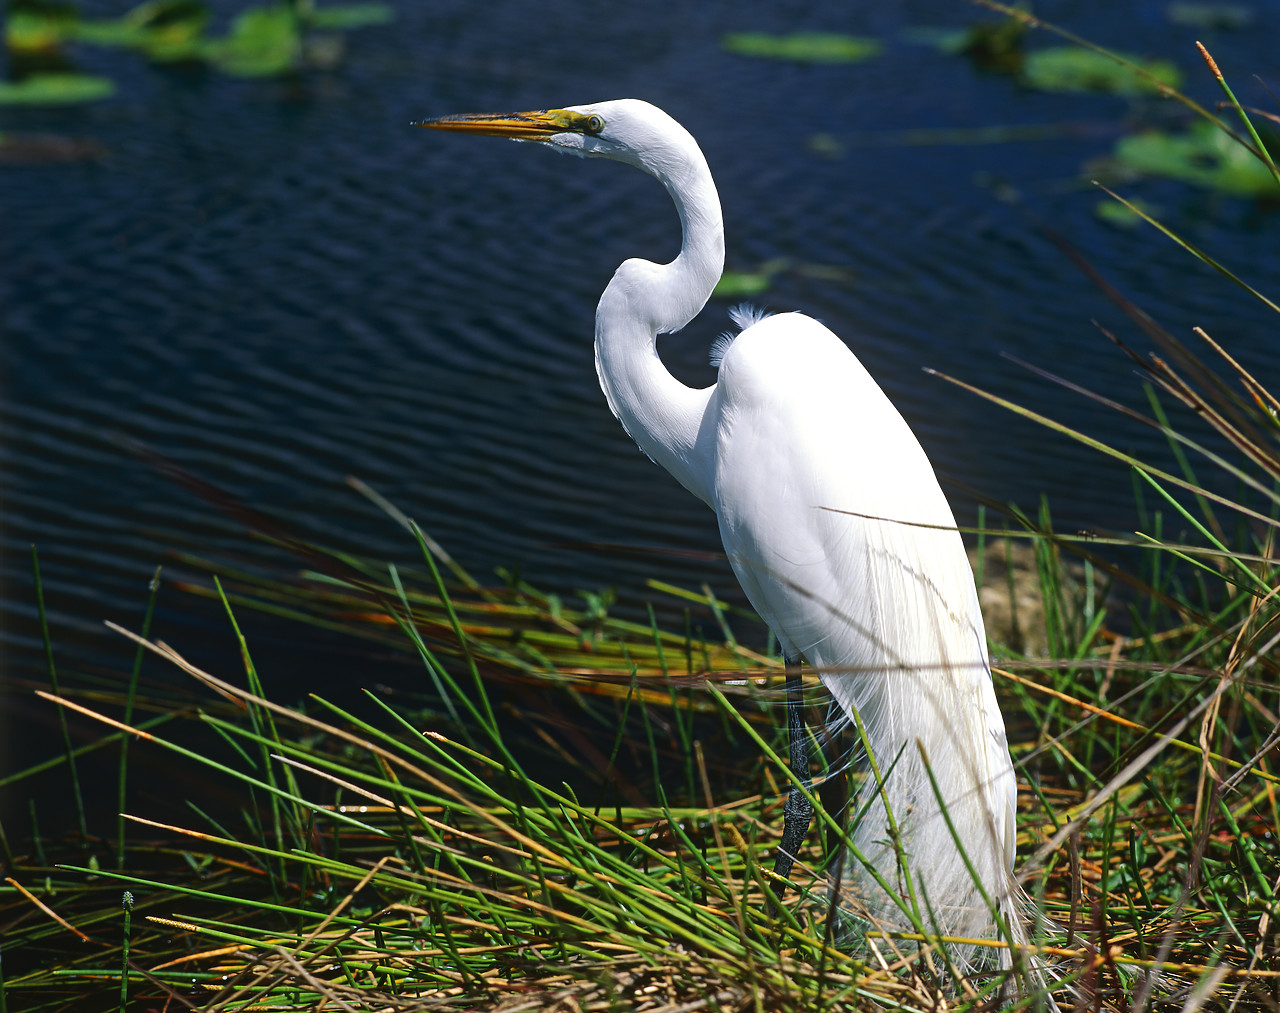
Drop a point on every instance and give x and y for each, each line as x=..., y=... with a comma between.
x=998, y=46
x=743, y=284
x=736, y=284
x=827, y=145
x=944, y=40
x=171, y=29
x=992, y=45
x=804, y=47
x=1202, y=155
x=166, y=30
x=106, y=32
x=351, y=16
x=263, y=41
x=56, y=89
x=1071, y=69
x=34, y=27
x=1210, y=16
x=1121, y=215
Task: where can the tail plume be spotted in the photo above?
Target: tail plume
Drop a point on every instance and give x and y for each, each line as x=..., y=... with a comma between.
x=932, y=841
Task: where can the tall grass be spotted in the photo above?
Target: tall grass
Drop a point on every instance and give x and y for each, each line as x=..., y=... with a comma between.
x=579, y=814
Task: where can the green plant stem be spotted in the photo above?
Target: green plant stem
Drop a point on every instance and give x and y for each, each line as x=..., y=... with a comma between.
x=123, y=771
x=127, y=902
x=1259, y=148
x=62, y=714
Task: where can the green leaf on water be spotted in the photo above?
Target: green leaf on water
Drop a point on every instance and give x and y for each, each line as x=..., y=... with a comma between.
x=1071, y=69
x=172, y=29
x=352, y=16
x=737, y=284
x=106, y=32
x=827, y=145
x=163, y=29
x=1203, y=155
x=1121, y=215
x=1210, y=16
x=744, y=284
x=803, y=47
x=263, y=41
x=36, y=28
x=56, y=89
x=992, y=45
x=944, y=40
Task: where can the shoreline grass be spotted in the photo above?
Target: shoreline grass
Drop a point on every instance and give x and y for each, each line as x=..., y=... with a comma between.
x=577, y=813
x=393, y=866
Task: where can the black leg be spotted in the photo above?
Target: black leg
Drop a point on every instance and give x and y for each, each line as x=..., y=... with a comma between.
x=797, y=812
x=833, y=792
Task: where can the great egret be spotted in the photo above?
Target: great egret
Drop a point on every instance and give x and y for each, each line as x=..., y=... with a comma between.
x=835, y=525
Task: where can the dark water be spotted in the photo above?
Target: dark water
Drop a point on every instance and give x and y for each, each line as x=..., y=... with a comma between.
x=277, y=285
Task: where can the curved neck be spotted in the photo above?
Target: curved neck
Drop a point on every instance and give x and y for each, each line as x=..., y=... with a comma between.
x=644, y=300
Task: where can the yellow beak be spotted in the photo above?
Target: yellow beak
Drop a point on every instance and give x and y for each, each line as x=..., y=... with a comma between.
x=531, y=126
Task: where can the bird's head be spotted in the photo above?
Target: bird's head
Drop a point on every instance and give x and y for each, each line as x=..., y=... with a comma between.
x=626, y=130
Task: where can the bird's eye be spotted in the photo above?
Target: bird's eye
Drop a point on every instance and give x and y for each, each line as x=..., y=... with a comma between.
x=595, y=124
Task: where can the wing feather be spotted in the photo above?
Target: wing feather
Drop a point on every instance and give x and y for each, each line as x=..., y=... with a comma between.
x=844, y=543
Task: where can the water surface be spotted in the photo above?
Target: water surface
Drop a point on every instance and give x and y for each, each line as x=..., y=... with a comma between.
x=276, y=285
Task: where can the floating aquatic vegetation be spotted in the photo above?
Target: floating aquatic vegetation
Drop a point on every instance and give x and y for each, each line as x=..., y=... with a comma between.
x=992, y=45
x=56, y=89
x=37, y=26
x=743, y=284
x=165, y=30
x=262, y=42
x=1210, y=16
x=268, y=40
x=358, y=15
x=1072, y=69
x=733, y=284
x=1203, y=155
x=1124, y=216
x=804, y=47
x=274, y=40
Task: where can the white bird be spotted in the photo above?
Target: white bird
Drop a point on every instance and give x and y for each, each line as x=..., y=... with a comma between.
x=834, y=523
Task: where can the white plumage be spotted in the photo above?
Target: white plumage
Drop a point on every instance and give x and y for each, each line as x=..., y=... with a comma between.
x=845, y=545
x=833, y=522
